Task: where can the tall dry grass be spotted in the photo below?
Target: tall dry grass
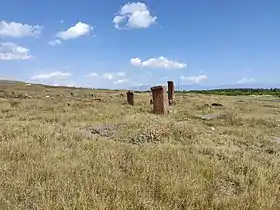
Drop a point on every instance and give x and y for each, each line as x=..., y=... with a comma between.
x=73, y=152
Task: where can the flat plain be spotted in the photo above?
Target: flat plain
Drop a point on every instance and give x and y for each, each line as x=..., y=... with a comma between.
x=66, y=148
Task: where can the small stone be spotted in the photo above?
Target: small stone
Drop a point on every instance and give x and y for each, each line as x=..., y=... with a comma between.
x=216, y=104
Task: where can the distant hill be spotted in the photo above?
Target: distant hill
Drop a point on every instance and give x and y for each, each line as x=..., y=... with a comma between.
x=3, y=81
x=202, y=87
x=181, y=87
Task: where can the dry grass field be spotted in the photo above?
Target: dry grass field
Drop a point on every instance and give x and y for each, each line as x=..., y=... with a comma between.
x=71, y=151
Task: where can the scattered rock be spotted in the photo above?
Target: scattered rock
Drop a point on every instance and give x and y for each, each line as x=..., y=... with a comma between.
x=68, y=104
x=47, y=90
x=121, y=95
x=47, y=96
x=72, y=94
x=151, y=101
x=210, y=116
x=275, y=139
x=216, y=104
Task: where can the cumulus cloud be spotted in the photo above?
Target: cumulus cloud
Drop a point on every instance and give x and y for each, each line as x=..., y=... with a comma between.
x=76, y=31
x=195, y=79
x=134, y=15
x=17, y=30
x=12, y=51
x=160, y=62
x=246, y=80
x=57, y=75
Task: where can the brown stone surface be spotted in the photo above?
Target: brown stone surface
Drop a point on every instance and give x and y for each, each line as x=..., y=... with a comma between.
x=170, y=90
x=160, y=100
x=130, y=98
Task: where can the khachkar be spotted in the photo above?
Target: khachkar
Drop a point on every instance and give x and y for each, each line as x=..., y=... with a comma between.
x=159, y=99
x=170, y=91
x=130, y=98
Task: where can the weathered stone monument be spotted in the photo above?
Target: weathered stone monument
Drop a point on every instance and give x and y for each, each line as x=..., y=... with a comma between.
x=159, y=99
x=130, y=98
x=170, y=91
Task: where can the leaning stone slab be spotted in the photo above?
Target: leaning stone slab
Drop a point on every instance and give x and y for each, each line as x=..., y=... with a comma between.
x=210, y=116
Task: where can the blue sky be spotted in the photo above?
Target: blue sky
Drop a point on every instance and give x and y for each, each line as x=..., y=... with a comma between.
x=116, y=43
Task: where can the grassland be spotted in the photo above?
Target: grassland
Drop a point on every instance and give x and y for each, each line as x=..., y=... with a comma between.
x=71, y=151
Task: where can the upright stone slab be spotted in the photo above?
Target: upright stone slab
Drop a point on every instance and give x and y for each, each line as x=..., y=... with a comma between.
x=130, y=98
x=159, y=99
x=170, y=91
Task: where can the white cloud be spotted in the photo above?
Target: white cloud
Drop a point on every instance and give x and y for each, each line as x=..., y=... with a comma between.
x=160, y=62
x=108, y=76
x=120, y=81
x=134, y=15
x=54, y=42
x=93, y=74
x=246, y=80
x=17, y=30
x=195, y=79
x=65, y=84
x=57, y=75
x=136, y=62
x=12, y=51
x=76, y=31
